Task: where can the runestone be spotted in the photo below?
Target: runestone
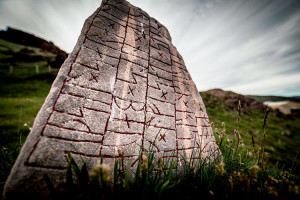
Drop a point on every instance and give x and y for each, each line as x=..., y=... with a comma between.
x=124, y=87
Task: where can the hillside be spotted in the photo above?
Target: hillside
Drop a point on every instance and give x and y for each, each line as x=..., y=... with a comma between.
x=282, y=131
x=18, y=47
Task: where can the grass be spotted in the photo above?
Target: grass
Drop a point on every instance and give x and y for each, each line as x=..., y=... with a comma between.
x=240, y=172
x=237, y=174
x=17, y=116
x=7, y=48
x=282, y=140
x=22, y=93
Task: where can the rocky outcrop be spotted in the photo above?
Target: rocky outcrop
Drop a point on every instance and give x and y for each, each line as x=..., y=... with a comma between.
x=231, y=100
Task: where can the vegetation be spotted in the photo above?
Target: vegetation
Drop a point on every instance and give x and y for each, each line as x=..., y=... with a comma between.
x=282, y=140
x=23, y=90
x=237, y=174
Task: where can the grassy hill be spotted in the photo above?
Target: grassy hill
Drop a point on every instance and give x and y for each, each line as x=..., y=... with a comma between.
x=282, y=131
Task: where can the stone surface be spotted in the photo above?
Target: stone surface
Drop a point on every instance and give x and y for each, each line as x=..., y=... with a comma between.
x=123, y=85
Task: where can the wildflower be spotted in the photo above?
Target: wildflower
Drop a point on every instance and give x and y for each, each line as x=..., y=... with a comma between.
x=102, y=170
x=30, y=128
x=105, y=172
x=230, y=182
x=25, y=124
x=220, y=139
x=239, y=110
x=96, y=168
x=272, y=180
x=220, y=169
x=179, y=162
x=121, y=154
x=144, y=162
x=211, y=192
x=247, y=180
x=159, y=164
x=296, y=190
x=224, y=130
x=259, y=151
x=271, y=190
x=240, y=159
x=253, y=172
x=285, y=174
x=266, y=155
x=250, y=154
x=238, y=136
x=240, y=176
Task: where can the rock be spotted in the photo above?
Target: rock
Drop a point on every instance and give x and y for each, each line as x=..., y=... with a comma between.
x=123, y=86
x=231, y=100
x=217, y=92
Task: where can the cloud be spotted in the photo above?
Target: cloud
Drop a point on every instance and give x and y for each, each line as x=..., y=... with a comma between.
x=55, y=20
x=251, y=47
x=245, y=46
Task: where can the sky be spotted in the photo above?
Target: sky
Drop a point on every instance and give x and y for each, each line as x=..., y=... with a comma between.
x=246, y=46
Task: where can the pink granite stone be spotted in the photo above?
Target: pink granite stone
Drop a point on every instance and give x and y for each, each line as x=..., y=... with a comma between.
x=123, y=85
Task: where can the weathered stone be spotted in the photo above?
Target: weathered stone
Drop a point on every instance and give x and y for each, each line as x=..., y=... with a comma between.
x=123, y=85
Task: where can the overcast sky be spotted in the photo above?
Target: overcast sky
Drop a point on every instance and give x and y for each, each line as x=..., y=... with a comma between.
x=247, y=46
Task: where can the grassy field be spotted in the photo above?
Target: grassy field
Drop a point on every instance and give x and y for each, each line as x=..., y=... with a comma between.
x=6, y=48
x=23, y=90
x=282, y=133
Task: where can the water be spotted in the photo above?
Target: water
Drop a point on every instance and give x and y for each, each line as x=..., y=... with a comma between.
x=275, y=103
